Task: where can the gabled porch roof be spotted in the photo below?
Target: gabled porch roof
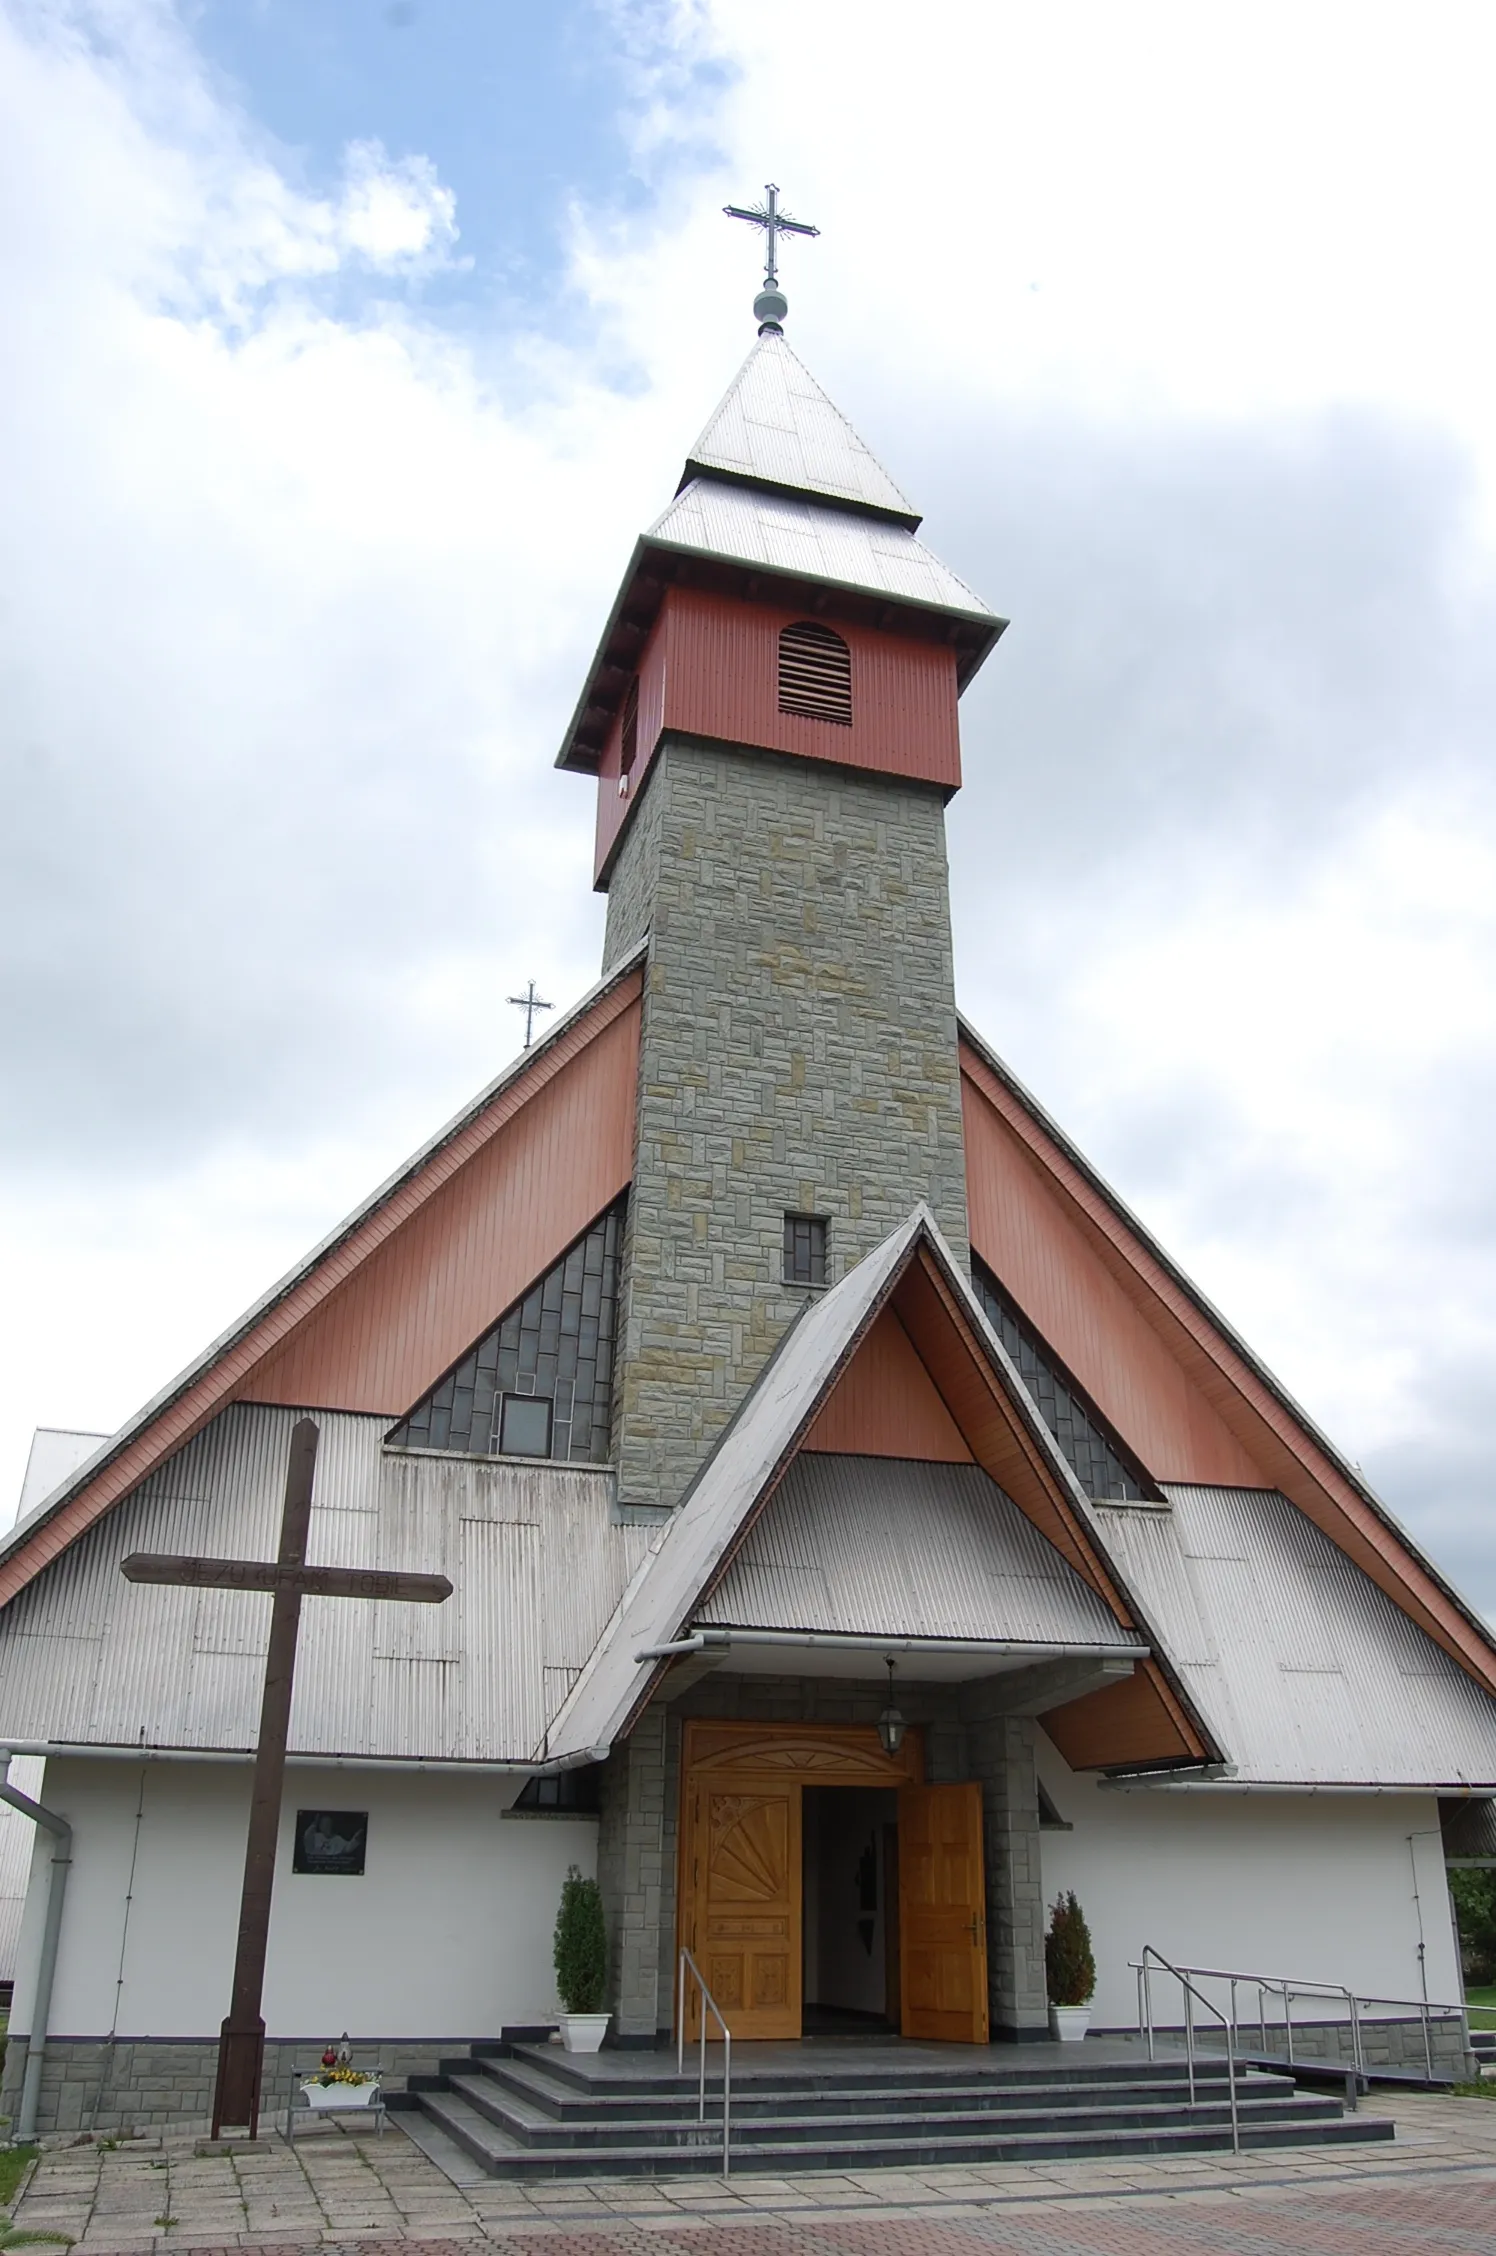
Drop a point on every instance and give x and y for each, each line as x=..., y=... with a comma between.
x=1042, y=1516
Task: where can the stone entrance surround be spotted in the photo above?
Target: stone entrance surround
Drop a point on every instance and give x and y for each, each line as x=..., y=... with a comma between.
x=969, y=1733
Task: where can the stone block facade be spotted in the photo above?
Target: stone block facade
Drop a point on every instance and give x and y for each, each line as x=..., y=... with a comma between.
x=638, y=1834
x=798, y=1056
x=114, y=2085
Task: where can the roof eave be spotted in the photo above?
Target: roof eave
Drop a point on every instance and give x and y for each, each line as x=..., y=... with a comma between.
x=909, y=519
x=23, y=1531
x=1233, y=1339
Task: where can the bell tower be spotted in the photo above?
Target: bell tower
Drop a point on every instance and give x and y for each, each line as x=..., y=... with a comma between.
x=771, y=718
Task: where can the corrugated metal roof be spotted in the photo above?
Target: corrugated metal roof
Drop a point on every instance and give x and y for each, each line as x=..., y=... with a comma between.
x=813, y=541
x=777, y=427
x=669, y=1584
x=880, y=1546
x=533, y=1550
x=1307, y=1672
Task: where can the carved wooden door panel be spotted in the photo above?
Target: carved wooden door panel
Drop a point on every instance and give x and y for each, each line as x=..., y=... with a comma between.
x=942, y=1914
x=742, y=1897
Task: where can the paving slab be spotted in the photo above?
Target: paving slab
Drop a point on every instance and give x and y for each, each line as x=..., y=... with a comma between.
x=1432, y=2190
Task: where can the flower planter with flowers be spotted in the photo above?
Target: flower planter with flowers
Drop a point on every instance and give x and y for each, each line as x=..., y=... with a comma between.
x=341, y=2087
x=338, y=2084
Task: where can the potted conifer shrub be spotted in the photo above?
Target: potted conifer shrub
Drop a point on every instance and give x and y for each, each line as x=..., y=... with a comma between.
x=581, y=1957
x=1069, y=1969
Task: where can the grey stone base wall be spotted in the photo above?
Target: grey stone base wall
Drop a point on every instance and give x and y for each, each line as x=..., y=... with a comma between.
x=1390, y=2047
x=166, y=2083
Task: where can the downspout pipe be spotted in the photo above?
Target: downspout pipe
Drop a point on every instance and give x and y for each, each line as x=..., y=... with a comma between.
x=41, y=2006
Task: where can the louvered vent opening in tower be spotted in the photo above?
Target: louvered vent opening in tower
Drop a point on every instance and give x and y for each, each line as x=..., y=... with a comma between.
x=815, y=674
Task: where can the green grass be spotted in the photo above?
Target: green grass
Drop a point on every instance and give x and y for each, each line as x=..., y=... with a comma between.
x=15, y=2161
x=1482, y=2003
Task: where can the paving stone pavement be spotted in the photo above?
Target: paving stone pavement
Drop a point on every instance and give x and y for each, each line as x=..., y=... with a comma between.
x=1432, y=2191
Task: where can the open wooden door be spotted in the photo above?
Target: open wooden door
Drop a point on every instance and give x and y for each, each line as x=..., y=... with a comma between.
x=942, y=1914
x=740, y=1894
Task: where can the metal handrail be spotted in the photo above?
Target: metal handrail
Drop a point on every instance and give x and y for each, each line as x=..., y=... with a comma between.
x=1191, y=1994
x=708, y=2005
x=1290, y=1987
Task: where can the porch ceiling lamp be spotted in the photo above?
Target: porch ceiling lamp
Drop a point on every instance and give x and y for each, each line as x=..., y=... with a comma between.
x=890, y=1723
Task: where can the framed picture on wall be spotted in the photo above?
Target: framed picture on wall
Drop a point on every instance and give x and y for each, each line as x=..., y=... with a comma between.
x=330, y=1841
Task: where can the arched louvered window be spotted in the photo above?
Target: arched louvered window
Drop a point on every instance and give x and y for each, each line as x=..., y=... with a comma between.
x=815, y=673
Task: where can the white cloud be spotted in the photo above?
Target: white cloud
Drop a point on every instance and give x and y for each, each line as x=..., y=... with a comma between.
x=1171, y=319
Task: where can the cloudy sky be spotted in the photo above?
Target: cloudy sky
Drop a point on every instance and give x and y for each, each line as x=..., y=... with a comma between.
x=347, y=344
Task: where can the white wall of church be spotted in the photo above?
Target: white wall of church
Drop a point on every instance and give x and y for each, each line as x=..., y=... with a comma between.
x=447, y=1933
x=1320, y=1887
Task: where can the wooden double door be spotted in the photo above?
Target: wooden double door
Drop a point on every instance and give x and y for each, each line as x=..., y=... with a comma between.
x=739, y=1893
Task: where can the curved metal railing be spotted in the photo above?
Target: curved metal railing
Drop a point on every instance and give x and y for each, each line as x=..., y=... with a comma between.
x=1192, y=1997
x=708, y=2005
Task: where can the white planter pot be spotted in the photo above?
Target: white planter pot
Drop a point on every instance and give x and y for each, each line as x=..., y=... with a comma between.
x=584, y=2032
x=330, y=2097
x=1069, y=2022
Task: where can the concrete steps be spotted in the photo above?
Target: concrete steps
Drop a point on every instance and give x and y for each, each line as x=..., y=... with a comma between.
x=530, y=2111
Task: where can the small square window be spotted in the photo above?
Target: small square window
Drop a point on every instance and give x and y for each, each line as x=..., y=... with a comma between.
x=805, y=1249
x=525, y=1426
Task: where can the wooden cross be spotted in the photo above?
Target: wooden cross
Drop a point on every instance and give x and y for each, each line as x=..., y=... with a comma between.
x=241, y=2042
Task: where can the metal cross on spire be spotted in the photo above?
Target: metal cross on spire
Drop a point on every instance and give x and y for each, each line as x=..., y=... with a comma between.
x=771, y=305
x=530, y=1002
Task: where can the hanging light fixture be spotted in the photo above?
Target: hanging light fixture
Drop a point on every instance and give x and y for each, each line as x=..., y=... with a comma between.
x=891, y=1722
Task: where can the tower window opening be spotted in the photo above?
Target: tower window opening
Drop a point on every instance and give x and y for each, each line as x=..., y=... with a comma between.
x=628, y=750
x=815, y=673
x=805, y=1249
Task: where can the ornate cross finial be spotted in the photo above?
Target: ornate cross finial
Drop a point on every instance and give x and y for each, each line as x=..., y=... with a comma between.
x=771, y=305
x=530, y=1002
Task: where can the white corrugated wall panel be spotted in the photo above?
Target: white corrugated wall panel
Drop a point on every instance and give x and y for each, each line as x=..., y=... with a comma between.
x=537, y=1563
x=881, y=1545
x=1318, y=1678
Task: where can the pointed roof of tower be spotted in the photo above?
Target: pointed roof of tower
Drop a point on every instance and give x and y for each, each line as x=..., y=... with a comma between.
x=778, y=489
x=776, y=428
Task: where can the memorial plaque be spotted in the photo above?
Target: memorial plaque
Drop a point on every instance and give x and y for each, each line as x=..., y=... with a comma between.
x=330, y=1841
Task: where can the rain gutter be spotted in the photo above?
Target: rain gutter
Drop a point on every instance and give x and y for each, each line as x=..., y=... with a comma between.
x=1227, y=1785
x=838, y=1641
x=73, y=1751
x=41, y=2004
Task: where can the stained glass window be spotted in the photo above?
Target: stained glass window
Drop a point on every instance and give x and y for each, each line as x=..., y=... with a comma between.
x=1096, y=1457
x=540, y=1384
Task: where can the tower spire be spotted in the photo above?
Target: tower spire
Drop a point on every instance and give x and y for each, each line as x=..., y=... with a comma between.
x=771, y=305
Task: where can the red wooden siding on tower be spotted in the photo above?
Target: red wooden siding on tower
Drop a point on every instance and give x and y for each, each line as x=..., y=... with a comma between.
x=421, y=1300
x=711, y=668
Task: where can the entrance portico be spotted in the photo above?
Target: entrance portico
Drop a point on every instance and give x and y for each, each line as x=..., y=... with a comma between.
x=764, y=1740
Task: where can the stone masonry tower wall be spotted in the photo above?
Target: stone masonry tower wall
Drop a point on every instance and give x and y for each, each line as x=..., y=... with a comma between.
x=799, y=1056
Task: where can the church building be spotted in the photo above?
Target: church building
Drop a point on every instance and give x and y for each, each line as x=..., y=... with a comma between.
x=860, y=1531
